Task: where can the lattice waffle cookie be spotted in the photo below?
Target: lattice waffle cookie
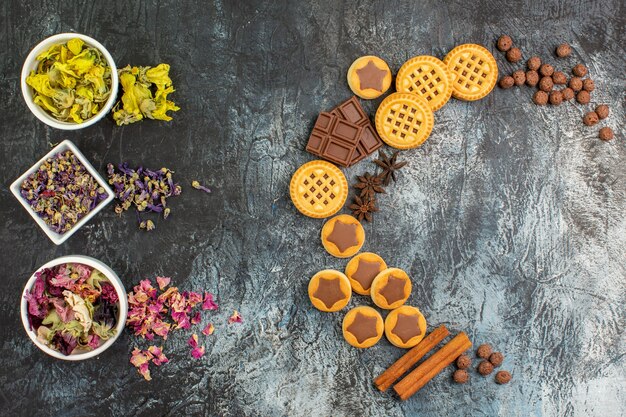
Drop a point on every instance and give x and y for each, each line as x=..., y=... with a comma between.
x=474, y=71
x=428, y=77
x=404, y=120
x=318, y=189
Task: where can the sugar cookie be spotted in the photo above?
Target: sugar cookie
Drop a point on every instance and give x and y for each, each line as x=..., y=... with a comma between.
x=362, y=327
x=428, y=77
x=404, y=120
x=474, y=71
x=369, y=77
x=329, y=290
x=343, y=236
x=362, y=269
x=391, y=288
x=405, y=326
x=318, y=189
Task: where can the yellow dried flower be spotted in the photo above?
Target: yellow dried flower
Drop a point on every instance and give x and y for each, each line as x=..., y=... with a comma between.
x=145, y=94
x=67, y=71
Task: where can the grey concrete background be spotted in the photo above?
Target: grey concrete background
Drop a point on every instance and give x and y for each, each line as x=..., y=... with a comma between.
x=510, y=219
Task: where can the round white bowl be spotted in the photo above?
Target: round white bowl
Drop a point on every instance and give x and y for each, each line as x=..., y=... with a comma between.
x=122, y=311
x=30, y=64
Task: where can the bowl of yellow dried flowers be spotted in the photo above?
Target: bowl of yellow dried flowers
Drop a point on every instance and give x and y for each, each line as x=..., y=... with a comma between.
x=74, y=307
x=69, y=81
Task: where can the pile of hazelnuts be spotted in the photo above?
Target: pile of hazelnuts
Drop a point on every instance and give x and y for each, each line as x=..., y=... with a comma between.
x=545, y=78
x=490, y=360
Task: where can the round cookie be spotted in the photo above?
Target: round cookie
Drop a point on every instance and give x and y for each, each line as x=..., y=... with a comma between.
x=428, y=77
x=318, y=189
x=405, y=327
x=474, y=71
x=362, y=269
x=369, y=77
x=362, y=327
x=329, y=290
x=404, y=120
x=343, y=236
x=391, y=288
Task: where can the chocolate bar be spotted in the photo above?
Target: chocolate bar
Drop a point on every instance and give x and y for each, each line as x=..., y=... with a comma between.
x=334, y=138
x=342, y=147
x=369, y=141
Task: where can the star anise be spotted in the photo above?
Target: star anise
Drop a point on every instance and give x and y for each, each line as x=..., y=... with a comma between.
x=389, y=166
x=369, y=185
x=363, y=208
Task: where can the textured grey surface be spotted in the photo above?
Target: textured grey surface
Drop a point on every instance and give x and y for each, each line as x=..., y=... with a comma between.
x=510, y=219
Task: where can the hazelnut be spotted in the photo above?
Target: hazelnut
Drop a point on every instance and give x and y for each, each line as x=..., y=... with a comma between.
x=540, y=98
x=484, y=351
x=496, y=359
x=463, y=362
x=532, y=78
x=576, y=83
x=503, y=377
x=602, y=111
x=583, y=97
x=567, y=93
x=546, y=70
x=506, y=82
x=460, y=376
x=485, y=368
x=546, y=84
x=590, y=118
x=519, y=77
x=534, y=63
x=606, y=133
x=556, y=97
x=579, y=70
x=563, y=50
x=588, y=85
x=504, y=43
x=513, y=55
x=559, y=77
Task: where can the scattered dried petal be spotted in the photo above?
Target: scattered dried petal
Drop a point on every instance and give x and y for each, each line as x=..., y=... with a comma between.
x=208, y=303
x=235, y=318
x=163, y=282
x=208, y=330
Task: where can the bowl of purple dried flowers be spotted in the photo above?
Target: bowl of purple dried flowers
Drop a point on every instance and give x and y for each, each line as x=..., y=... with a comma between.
x=74, y=307
x=62, y=191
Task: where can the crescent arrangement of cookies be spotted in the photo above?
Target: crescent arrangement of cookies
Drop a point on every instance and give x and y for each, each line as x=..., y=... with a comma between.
x=344, y=136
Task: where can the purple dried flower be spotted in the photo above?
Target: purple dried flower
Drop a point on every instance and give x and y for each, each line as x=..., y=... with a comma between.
x=144, y=189
x=198, y=186
x=62, y=191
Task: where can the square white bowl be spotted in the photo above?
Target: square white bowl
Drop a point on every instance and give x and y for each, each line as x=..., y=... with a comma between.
x=59, y=238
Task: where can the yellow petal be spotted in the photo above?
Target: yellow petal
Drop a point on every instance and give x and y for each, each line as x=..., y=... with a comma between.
x=159, y=75
x=75, y=45
x=45, y=103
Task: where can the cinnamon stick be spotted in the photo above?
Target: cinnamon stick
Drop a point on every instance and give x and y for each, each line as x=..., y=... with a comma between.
x=428, y=369
x=402, y=365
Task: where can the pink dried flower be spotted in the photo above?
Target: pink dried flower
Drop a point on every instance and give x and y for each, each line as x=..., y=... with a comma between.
x=197, y=351
x=163, y=282
x=194, y=298
x=196, y=318
x=235, y=318
x=159, y=357
x=93, y=341
x=109, y=293
x=208, y=303
x=208, y=330
x=140, y=360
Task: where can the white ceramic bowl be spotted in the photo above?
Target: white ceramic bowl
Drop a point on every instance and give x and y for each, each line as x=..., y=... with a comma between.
x=31, y=64
x=122, y=311
x=58, y=238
